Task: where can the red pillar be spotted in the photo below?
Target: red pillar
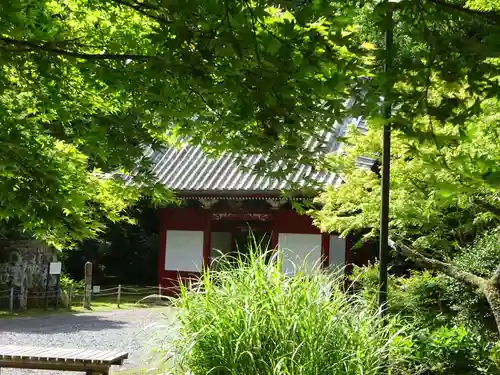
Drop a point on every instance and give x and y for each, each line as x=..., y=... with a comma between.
x=325, y=250
x=207, y=240
x=348, y=262
x=274, y=230
x=163, y=246
x=274, y=239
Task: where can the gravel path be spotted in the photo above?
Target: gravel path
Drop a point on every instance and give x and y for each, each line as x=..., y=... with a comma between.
x=133, y=330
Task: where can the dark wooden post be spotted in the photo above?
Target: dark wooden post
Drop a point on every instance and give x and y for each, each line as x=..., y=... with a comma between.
x=87, y=285
x=58, y=283
x=11, y=300
x=47, y=288
x=70, y=297
x=118, y=296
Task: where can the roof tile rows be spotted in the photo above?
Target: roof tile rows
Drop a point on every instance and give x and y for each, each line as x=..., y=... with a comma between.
x=190, y=170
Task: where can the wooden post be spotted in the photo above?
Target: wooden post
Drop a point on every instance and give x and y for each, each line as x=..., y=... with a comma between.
x=88, y=285
x=25, y=297
x=118, y=296
x=11, y=300
x=57, y=291
x=70, y=297
x=159, y=293
x=47, y=288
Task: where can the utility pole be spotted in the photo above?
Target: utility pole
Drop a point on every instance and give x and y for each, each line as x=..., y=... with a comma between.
x=386, y=160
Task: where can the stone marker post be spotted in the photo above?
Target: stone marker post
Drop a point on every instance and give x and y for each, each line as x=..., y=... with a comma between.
x=70, y=297
x=87, y=286
x=11, y=299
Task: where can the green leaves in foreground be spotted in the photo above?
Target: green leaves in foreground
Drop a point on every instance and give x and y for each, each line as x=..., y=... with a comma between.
x=106, y=78
x=86, y=85
x=254, y=320
x=249, y=318
x=444, y=190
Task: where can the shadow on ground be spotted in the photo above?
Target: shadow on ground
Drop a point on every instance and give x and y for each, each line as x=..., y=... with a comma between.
x=66, y=323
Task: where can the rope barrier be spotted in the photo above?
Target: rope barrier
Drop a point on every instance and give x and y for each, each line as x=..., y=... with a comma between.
x=135, y=294
x=104, y=290
x=36, y=298
x=76, y=297
x=103, y=294
x=136, y=289
x=44, y=294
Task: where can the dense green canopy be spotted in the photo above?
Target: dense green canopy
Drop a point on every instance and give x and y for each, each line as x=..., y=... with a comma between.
x=87, y=83
x=442, y=192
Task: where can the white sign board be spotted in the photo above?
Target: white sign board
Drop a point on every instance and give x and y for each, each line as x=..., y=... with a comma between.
x=96, y=288
x=55, y=268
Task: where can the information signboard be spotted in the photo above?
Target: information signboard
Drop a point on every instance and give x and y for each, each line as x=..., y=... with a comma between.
x=55, y=268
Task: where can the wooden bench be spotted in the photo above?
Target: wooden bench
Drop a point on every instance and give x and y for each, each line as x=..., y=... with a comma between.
x=85, y=360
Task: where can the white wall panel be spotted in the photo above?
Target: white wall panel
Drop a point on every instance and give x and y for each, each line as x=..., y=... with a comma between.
x=184, y=250
x=337, y=251
x=299, y=249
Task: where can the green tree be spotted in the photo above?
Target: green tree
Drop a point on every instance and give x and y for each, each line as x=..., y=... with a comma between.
x=86, y=85
x=443, y=194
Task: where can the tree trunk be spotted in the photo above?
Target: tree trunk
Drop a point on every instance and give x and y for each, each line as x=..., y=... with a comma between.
x=489, y=287
x=492, y=294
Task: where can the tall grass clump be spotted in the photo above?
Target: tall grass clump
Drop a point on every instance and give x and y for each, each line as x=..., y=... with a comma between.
x=251, y=319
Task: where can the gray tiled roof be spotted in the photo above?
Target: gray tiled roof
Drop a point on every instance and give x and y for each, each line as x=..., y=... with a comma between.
x=189, y=169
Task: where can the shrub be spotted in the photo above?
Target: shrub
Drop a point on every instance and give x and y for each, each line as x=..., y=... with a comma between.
x=254, y=320
x=424, y=300
x=482, y=258
x=65, y=282
x=453, y=350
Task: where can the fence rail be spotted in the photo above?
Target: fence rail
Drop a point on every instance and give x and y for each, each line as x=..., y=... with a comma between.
x=14, y=300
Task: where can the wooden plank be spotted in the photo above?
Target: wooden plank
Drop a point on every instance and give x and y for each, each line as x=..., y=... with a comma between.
x=121, y=357
x=115, y=358
x=71, y=355
x=111, y=357
x=52, y=355
x=49, y=355
x=78, y=356
x=89, y=355
x=8, y=354
x=37, y=353
x=106, y=356
x=57, y=366
x=30, y=352
x=61, y=354
x=65, y=354
x=19, y=352
x=9, y=349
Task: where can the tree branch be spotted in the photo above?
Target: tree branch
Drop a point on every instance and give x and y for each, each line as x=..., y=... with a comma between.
x=491, y=16
x=26, y=46
x=446, y=268
x=495, y=279
x=487, y=206
x=140, y=8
